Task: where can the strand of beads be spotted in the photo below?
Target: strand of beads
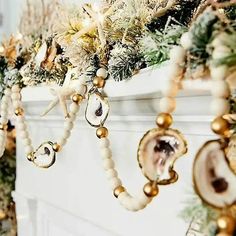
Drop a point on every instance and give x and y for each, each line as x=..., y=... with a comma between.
x=55, y=146
x=220, y=104
x=4, y=119
x=164, y=120
x=129, y=202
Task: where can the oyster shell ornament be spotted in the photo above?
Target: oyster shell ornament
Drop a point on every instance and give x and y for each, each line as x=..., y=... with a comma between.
x=157, y=153
x=231, y=153
x=41, y=54
x=44, y=156
x=214, y=181
x=97, y=109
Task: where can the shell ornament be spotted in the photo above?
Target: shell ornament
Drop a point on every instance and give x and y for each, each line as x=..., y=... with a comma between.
x=97, y=109
x=214, y=181
x=157, y=153
x=44, y=156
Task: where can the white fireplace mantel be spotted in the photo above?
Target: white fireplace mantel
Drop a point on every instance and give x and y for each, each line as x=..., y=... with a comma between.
x=73, y=197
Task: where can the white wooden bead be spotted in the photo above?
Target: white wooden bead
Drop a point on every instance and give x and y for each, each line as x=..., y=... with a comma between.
x=108, y=164
x=220, y=89
x=115, y=182
x=102, y=73
x=186, y=40
x=7, y=92
x=111, y=173
x=4, y=106
x=4, y=99
x=62, y=142
x=24, y=134
x=27, y=141
x=174, y=70
x=72, y=117
x=167, y=105
x=20, y=119
x=106, y=153
x=3, y=120
x=220, y=106
x=104, y=143
x=68, y=125
x=218, y=73
x=74, y=108
x=4, y=114
x=221, y=52
x=169, y=88
x=17, y=104
x=21, y=126
x=66, y=134
x=177, y=54
x=15, y=88
x=29, y=149
x=16, y=96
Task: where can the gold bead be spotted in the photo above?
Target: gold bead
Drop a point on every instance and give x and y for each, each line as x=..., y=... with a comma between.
x=164, y=120
x=56, y=147
x=118, y=190
x=220, y=126
x=30, y=156
x=77, y=98
x=3, y=127
x=102, y=132
x=151, y=189
x=99, y=82
x=223, y=234
x=2, y=215
x=19, y=111
x=226, y=224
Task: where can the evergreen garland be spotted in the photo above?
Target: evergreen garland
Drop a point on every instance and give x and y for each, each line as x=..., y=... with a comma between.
x=201, y=33
x=182, y=13
x=124, y=62
x=155, y=46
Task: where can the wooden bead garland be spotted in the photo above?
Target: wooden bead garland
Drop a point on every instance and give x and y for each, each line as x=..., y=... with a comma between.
x=50, y=148
x=164, y=121
x=5, y=103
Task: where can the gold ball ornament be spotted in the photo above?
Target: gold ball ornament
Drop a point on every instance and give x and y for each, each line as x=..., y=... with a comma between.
x=30, y=156
x=3, y=127
x=2, y=215
x=220, y=126
x=151, y=189
x=56, y=147
x=99, y=82
x=102, y=132
x=164, y=120
x=19, y=111
x=77, y=98
x=226, y=224
x=118, y=190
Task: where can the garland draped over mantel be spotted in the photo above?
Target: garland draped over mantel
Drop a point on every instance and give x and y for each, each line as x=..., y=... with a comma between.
x=123, y=36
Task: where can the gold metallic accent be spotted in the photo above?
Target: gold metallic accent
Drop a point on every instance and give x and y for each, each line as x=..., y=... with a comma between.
x=118, y=190
x=173, y=178
x=3, y=127
x=226, y=224
x=99, y=82
x=30, y=156
x=102, y=132
x=77, y=98
x=151, y=189
x=19, y=111
x=164, y=120
x=221, y=126
x=56, y=147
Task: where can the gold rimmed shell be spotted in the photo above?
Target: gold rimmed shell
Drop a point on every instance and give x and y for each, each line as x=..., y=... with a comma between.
x=213, y=179
x=158, y=150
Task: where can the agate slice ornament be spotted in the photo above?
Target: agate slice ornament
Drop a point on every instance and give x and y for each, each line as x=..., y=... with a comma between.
x=157, y=153
x=44, y=156
x=214, y=180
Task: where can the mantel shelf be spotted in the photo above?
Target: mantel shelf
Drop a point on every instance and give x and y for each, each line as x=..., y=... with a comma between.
x=147, y=82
